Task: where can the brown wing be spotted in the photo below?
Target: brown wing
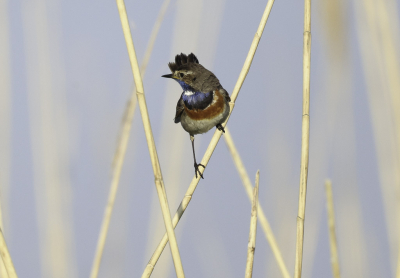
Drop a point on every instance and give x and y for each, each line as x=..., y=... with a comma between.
x=179, y=110
x=225, y=94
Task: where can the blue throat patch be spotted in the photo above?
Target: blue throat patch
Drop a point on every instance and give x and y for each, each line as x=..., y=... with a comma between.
x=197, y=100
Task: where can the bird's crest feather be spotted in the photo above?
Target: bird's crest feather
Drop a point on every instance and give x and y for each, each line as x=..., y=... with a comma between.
x=182, y=59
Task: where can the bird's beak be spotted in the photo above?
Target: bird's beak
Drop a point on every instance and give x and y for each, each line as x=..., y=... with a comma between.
x=167, y=76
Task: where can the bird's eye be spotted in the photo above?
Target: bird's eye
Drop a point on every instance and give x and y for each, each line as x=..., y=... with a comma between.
x=181, y=75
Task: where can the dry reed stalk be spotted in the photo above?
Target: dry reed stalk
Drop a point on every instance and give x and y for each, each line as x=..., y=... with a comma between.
x=120, y=152
x=251, y=248
x=150, y=139
x=331, y=226
x=261, y=215
x=305, y=138
x=214, y=140
x=5, y=255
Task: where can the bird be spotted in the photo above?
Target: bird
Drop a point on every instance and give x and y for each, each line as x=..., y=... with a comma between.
x=203, y=104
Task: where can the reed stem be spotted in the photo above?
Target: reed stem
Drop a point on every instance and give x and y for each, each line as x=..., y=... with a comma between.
x=332, y=233
x=305, y=138
x=5, y=255
x=150, y=140
x=251, y=248
x=120, y=152
x=266, y=227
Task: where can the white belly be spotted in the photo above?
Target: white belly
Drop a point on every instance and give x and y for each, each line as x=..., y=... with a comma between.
x=202, y=126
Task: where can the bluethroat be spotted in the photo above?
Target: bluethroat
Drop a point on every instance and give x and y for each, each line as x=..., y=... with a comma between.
x=203, y=104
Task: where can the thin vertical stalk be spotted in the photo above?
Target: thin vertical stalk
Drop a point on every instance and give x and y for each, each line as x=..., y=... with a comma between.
x=214, y=140
x=5, y=255
x=120, y=152
x=305, y=138
x=266, y=227
x=251, y=248
x=332, y=233
x=150, y=139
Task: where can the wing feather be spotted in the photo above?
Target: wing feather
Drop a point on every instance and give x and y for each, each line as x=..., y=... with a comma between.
x=225, y=94
x=179, y=110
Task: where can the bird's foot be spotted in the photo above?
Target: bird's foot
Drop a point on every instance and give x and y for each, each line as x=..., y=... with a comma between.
x=220, y=128
x=197, y=170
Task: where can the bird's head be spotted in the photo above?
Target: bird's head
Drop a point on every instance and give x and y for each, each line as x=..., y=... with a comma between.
x=187, y=71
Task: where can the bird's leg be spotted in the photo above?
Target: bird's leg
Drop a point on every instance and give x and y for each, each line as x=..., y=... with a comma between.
x=196, y=166
x=220, y=127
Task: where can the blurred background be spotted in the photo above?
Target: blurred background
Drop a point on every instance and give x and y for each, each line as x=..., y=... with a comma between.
x=65, y=80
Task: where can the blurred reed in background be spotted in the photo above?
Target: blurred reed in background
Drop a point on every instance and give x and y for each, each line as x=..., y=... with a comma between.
x=377, y=25
x=334, y=143
x=51, y=149
x=5, y=122
x=340, y=138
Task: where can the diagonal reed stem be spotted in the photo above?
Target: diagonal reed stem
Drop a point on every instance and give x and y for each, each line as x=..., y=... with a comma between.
x=305, y=138
x=261, y=215
x=251, y=248
x=120, y=152
x=5, y=255
x=150, y=140
x=332, y=233
x=214, y=140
